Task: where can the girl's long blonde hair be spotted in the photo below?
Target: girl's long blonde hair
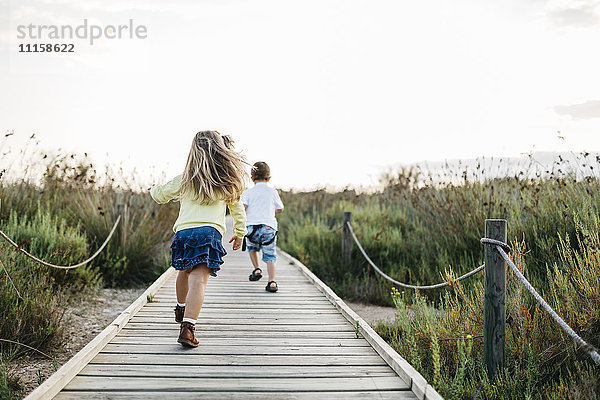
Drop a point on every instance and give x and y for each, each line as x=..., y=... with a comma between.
x=214, y=170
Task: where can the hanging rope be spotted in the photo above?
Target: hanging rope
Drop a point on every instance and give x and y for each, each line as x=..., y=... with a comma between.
x=336, y=229
x=405, y=285
x=24, y=345
x=34, y=258
x=588, y=348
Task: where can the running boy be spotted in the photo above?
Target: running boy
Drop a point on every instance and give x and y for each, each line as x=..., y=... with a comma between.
x=262, y=202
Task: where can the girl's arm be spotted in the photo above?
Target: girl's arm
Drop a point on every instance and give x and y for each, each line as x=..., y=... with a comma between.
x=167, y=192
x=239, y=218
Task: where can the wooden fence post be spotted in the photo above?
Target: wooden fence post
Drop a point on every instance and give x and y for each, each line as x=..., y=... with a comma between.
x=346, y=241
x=494, y=319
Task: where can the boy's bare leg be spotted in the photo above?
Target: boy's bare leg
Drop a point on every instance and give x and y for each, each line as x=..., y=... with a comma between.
x=195, y=297
x=271, y=270
x=254, y=258
x=181, y=285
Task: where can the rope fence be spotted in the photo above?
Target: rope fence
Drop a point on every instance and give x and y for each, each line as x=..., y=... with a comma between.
x=495, y=289
x=26, y=346
x=34, y=258
x=336, y=229
x=591, y=350
x=405, y=285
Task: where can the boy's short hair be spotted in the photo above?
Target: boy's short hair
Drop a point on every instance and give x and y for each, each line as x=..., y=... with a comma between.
x=261, y=171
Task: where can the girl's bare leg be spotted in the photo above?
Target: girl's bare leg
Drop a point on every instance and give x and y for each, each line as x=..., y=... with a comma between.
x=197, y=285
x=181, y=285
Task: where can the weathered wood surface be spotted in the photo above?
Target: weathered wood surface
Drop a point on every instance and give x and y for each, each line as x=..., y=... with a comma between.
x=293, y=344
x=235, y=395
x=494, y=319
x=347, y=242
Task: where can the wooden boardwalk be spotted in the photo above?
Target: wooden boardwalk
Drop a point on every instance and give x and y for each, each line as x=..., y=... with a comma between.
x=293, y=344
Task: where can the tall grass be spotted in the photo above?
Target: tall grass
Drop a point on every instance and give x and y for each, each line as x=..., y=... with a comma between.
x=70, y=190
x=61, y=209
x=418, y=228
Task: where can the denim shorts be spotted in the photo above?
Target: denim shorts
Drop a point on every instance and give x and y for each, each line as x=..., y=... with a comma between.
x=195, y=246
x=263, y=235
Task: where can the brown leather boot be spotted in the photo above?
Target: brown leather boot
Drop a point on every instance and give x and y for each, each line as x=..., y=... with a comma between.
x=179, y=311
x=186, y=335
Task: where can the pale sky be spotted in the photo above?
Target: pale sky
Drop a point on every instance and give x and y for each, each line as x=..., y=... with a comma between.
x=327, y=92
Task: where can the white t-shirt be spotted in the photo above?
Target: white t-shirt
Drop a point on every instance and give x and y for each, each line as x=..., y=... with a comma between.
x=262, y=201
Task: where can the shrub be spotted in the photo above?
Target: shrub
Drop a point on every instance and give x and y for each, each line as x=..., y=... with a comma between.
x=135, y=254
x=542, y=362
x=49, y=238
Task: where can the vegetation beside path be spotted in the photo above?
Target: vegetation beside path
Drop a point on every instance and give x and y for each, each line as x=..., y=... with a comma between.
x=421, y=229
x=61, y=209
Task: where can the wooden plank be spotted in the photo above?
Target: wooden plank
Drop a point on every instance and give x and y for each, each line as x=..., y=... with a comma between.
x=248, y=320
x=266, y=384
x=237, y=395
x=306, y=307
x=299, y=301
x=167, y=315
x=247, y=360
x=300, y=292
x=219, y=341
x=236, y=313
x=249, y=297
x=275, y=335
x=265, y=300
x=232, y=286
x=228, y=371
x=255, y=327
x=254, y=286
x=176, y=349
x=49, y=388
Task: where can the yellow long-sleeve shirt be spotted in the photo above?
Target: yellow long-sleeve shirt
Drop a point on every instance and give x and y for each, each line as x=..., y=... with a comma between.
x=192, y=214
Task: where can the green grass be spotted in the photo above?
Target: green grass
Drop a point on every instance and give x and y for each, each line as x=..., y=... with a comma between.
x=417, y=234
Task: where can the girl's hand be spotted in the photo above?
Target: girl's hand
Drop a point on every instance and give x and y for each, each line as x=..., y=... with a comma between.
x=237, y=242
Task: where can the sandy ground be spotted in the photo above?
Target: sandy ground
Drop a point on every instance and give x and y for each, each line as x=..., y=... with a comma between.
x=372, y=314
x=84, y=321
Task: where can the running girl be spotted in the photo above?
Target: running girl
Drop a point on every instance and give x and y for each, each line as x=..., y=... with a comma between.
x=214, y=177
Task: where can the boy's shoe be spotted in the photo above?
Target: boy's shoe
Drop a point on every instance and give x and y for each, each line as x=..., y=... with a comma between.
x=255, y=275
x=270, y=288
x=179, y=311
x=186, y=335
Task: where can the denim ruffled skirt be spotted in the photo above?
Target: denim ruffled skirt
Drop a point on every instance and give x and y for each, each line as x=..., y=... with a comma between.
x=195, y=246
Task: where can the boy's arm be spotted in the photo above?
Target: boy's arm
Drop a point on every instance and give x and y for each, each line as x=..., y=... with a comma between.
x=239, y=218
x=278, y=203
x=164, y=193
